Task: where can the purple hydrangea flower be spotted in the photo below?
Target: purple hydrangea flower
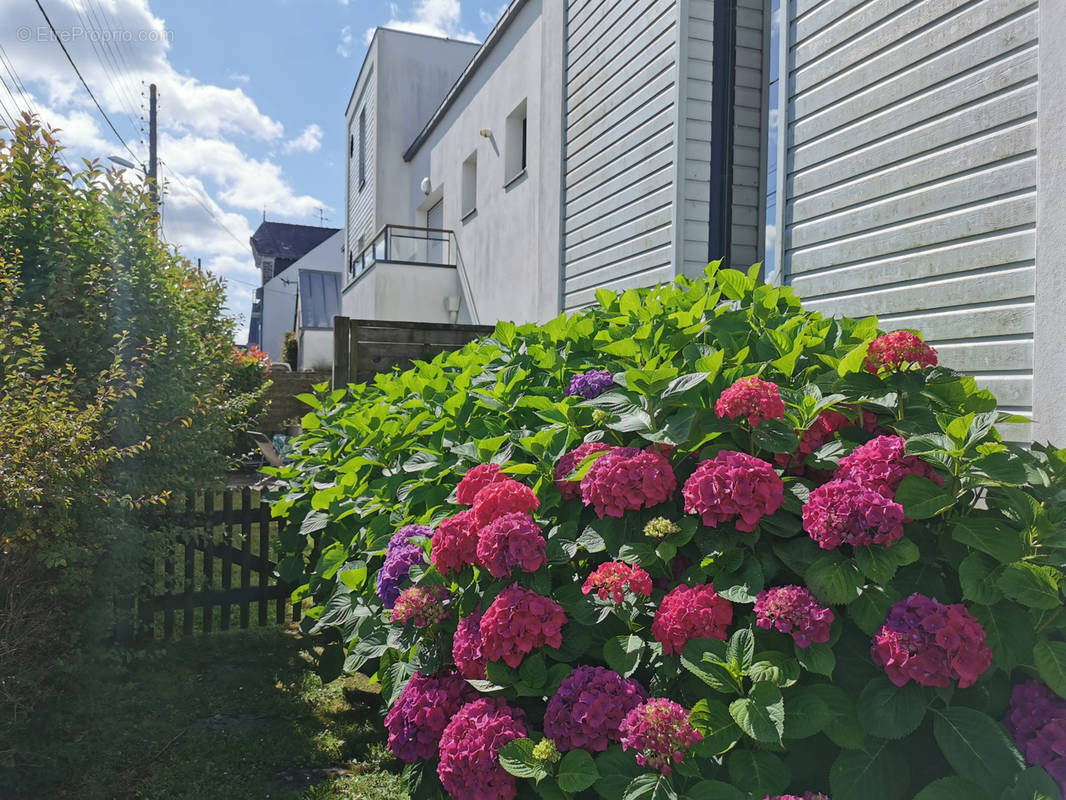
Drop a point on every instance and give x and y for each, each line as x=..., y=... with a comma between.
x=400, y=555
x=590, y=384
x=588, y=708
x=1036, y=719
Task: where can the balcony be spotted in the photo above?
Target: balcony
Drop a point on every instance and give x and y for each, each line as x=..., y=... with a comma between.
x=401, y=244
x=408, y=274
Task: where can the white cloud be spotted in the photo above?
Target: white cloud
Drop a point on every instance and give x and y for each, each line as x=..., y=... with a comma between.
x=344, y=46
x=490, y=18
x=309, y=140
x=431, y=17
x=204, y=128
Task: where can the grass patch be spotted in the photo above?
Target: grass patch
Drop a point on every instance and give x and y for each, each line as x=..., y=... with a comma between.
x=231, y=715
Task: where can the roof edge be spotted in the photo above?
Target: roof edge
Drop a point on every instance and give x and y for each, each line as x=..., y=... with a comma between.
x=465, y=76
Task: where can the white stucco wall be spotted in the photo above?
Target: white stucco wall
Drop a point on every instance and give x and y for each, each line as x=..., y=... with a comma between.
x=279, y=298
x=510, y=247
x=403, y=293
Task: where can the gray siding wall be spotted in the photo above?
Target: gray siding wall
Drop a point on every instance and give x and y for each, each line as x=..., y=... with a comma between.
x=361, y=201
x=748, y=156
x=911, y=184
x=620, y=147
x=694, y=201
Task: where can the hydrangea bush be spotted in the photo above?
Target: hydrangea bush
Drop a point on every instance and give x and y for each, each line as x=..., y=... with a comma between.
x=692, y=542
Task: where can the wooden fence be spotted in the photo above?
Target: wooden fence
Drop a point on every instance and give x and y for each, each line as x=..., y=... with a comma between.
x=363, y=348
x=217, y=570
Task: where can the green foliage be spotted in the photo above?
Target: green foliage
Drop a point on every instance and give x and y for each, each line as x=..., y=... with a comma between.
x=775, y=717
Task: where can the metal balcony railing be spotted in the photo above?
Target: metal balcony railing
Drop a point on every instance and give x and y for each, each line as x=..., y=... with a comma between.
x=403, y=244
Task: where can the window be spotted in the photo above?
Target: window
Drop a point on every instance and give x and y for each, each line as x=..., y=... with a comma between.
x=351, y=146
x=362, y=149
x=469, y=195
x=515, y=157
x=775, y=140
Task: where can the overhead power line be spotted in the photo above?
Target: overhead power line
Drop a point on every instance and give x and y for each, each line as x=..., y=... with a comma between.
x=77, y=71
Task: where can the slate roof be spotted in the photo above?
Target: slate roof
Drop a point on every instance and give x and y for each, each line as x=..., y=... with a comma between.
x=285, y=240
x=320, y=298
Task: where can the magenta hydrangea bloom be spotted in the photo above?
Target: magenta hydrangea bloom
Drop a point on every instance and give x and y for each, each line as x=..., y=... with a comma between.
x=628, y=479
x=588, y=708
x=752, y=398
x=590, y=384
x=400, y=555
x=691, y=612
x=660, y=732
x=519, y=621
x=421, y=605
x=881, y=464
x=898, y=350
x=503, y=497
x=820, y=432
x=844, y=512
x=476, y=479
x=418, y=717
x=454, y=544
x=733, y=487
x=469, y=766
x=931, y=643
x=614, y=578
x=1036, y=718
x=569, y=462
x=467, y=653
x=513, y=540
x=793, y=610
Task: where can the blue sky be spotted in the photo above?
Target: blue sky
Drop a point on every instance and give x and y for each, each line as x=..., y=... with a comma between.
x=252, y=99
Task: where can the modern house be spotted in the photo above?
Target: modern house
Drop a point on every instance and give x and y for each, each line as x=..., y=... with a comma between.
x=903, y=158
x=282, y=253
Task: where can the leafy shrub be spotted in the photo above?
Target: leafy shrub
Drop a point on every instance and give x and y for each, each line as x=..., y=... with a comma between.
x=789, y=555
x=290, y=349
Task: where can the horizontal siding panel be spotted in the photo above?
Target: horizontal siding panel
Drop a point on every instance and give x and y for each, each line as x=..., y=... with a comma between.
x=621, y=158
x=599, y=129
x=811, y=17
x=584, y=15
x=986, y=184
x=990, y=99
x=937, y=164
x=1010, y=390
x=1013, y=319
x=649, y=206
x=956, y=256
x=616, y=30
x=978, y=356
x=627, y=182
x=969, y=221
x=648, y=250
x=1008, y=36
x=597, y=206
x=650, y=273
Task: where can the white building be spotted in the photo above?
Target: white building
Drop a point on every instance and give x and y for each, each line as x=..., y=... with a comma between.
x=884, y=157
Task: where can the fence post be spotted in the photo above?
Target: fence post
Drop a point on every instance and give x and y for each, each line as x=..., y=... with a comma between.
x=227, y=555
x=353, y=351
x=341, y=352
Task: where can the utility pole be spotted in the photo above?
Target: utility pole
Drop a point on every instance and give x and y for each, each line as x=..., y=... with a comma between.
x=153, y=161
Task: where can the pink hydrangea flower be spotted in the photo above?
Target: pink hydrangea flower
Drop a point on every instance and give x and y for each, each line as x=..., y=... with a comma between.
x=503, y=497
x=931, y=643
x=418, y=717
x=467, y=653
x=660, y=732
x=733, y=487
x=628, y=479
x=844, y=512
x=469, y=765
x=513, y=540
x=614, y=578
x=454, y=543
x=1036, y=718
x=569, y=462
x=793, y=610
x=691, y=612
x=588, y=708
x=753, y=398
x=519, y=621
x=881, y=464
x=897, y=350
x=422, y=605
x=820, y=432
x=475, y=480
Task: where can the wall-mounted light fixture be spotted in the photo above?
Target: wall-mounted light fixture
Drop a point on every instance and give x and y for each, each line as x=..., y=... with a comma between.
x=486, y=132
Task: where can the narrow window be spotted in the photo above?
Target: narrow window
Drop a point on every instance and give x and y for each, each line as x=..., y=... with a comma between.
x=351, y=146
x=469, y=195
x=515, y=157
x=773, y=202
x=362, y=148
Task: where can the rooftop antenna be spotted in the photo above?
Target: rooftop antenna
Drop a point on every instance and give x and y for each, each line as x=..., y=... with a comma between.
x=321, y=216
x=264, y=213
